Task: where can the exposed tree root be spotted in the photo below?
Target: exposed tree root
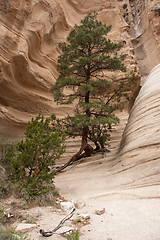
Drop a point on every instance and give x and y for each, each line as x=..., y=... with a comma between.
x=88, y=150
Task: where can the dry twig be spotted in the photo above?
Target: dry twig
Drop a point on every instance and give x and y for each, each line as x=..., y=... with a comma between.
x=50, y=233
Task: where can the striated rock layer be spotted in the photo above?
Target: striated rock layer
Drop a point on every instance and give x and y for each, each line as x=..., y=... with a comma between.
x=32, y=33
x=140, y=146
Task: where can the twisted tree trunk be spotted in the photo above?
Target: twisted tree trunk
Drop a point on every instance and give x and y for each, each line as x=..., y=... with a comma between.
x=88, y=151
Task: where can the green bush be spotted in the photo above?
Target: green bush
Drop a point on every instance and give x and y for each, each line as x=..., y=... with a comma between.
x=4, y=184
x=29, y=163
x=3, y=143
x=2, y=216
x=74, y=236
x=11, y=235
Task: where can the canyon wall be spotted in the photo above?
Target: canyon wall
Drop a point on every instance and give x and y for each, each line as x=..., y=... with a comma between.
x=138, y=156
x=32, y=33
x=143, y=19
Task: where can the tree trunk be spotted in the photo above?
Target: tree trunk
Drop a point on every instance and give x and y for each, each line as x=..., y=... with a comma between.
x=88, y=149
x=84, y=144
x=84, y=135
x=97, y=146
x=84, y=147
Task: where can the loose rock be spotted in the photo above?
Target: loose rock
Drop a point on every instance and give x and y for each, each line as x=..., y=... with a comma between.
x=67, y=206
x=25, y=226
x=85, y=216
x=100, y=211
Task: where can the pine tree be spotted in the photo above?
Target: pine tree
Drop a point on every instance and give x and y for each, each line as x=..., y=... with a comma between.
x=82, y=80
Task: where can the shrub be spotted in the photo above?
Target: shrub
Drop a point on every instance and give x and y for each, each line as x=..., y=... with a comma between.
x=73, y=236
x=2, y=216
x=8, y=234
x=3, y=144
x=30, y=161
x=4, y=184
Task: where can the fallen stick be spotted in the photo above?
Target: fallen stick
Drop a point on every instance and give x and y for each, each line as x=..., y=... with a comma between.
x=50, y=233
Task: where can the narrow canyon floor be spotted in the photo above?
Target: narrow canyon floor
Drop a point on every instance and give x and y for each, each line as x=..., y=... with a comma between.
x=130, y=209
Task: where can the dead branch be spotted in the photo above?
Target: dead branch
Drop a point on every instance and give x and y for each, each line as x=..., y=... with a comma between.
x=50, y=233
x=86, y=148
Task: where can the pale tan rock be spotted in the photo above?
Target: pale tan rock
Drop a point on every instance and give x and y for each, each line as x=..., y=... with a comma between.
x=25, y=226
x=140, y=142
x=100, y=211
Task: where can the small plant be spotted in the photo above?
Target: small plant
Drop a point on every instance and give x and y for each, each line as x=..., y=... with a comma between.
x=28, y=219
x=4, y=184
x=2, y=216
x=4, y=188
x=73, y=236
x=9, y=234
x=29, y=163
x=78, y=220
x=3, y=144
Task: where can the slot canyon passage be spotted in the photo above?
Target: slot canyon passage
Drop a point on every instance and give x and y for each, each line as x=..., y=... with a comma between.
x=124, y=181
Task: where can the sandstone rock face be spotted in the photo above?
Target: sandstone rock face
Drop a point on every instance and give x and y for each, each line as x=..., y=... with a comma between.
x=140, y=146
x=32, y=33
x=143, y=20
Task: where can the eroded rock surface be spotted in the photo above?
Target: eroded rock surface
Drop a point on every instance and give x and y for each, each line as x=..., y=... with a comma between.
x=32, y=33
x=140, y=145
x=143, y=20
